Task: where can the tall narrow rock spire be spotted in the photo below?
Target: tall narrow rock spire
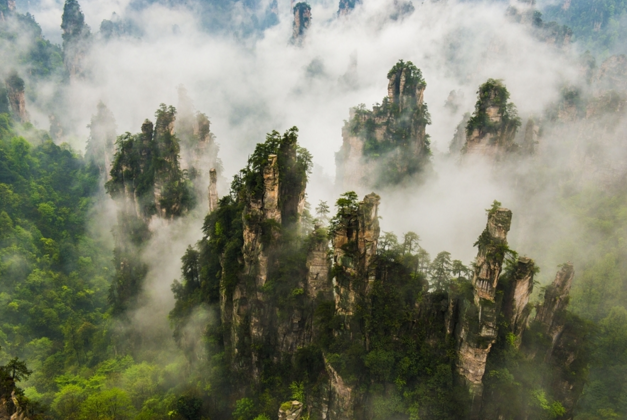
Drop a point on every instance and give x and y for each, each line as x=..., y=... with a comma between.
x=555, y=301
x=213, y=190
x=17, y=100
x=76, y=38
x=302, y=21
x=491, y=130
x=477, y=329
x=515, y=305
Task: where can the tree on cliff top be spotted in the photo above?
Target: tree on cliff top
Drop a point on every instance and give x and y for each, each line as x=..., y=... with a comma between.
x=493, y=94
x=73, y=23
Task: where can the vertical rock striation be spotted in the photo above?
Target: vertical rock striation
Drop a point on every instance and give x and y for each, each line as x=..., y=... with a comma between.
x=388, y=145
x=302, y=21
x=213, y=190
x=555, y=300
x=355, y=239
x=515, y=305
x=17, y=100
x=491, y=130
x=477, y=328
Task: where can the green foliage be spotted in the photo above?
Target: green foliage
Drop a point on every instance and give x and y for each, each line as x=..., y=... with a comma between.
x=39, y=58
x=244, y=409
x=393, y=133
x=293, y=164
x=413, y=75
x=441, y=272
x=215, y=266
x=533, y=378
x=493, y=94
x=73, y=23
x=54, y=277
x=15, y=82
x=347, y=206
x=495, y=206
x=189, y=407
x=145, y=173
x=298, y=391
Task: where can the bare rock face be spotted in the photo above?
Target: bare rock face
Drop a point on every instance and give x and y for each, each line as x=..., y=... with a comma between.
x=247, y=304
x=567, y=346
x=359, y=228
x=477, y=329
x=302, y=21
x=491, y=130
x=318, y=267
x=257, y=210
x=4, y=409
x=17, y=100
x=490, y=257
x=555, y=300
x=342, y=398
x=388, y=144
x=515, y=306
x=271, y=208
x=11, y=409
x=291, y=410
x=213, y=190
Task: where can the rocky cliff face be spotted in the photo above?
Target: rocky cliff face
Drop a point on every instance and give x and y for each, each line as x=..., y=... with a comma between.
x=213, y=190
x=491, y=130
x=346, y=6
x=76, y=39
x=477, y=329
x=354, y=246
x=102, y=135
x=198, y=147
x=388, y=145
x=17, y=100
x=147, y=182
x=555, y=301
x=291, y=410
x=515, y=304
x=302, y=21
x=352, y=319
x=250, y=311
x=11, y=409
